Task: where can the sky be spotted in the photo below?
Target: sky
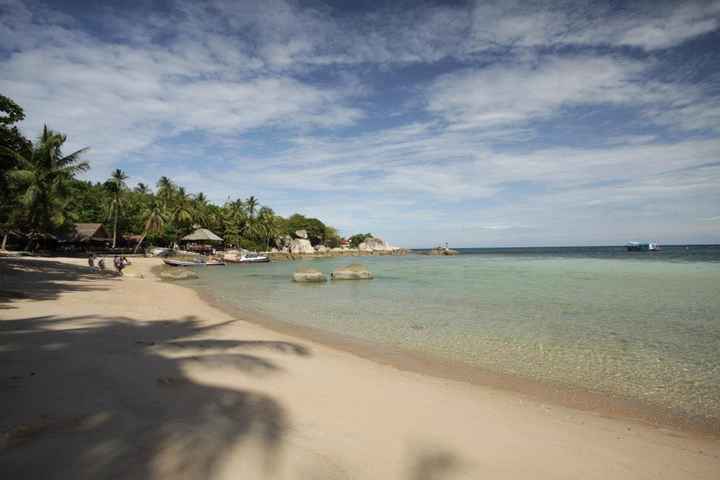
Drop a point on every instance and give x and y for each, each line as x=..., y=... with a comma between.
x=474, y=123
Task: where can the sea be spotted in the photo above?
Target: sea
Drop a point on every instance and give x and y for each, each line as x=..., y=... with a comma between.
x=643, y=326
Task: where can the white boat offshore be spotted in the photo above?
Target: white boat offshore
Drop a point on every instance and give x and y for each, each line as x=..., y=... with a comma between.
x=641, y=247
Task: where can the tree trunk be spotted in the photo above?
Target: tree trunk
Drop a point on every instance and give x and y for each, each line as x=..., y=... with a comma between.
x=142, y=239
x=4, y=242
x=115, y=228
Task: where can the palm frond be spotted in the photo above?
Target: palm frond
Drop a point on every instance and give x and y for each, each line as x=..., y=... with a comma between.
x=72, y=158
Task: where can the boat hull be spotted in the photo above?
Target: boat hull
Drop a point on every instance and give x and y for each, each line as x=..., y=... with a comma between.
x=249, y=260
x=182, y=263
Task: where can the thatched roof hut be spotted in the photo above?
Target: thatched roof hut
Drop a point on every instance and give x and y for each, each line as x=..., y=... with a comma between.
x=201, y=235
x=88, y=232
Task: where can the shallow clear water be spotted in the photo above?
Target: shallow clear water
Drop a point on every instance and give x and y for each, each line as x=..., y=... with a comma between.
x=644, y=326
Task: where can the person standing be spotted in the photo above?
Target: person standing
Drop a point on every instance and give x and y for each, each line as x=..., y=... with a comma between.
x=91, y=260
x=119, y=265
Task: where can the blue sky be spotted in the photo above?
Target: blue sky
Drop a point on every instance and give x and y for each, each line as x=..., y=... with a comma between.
x=474, y=123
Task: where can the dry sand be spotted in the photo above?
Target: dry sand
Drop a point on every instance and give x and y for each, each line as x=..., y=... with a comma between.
x=106, y=377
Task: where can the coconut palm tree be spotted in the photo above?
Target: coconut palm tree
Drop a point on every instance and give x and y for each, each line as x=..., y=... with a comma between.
x=267, y=226
x=142, y=188
x=165, y=192
x=235, y=221
x=251, y=204
x=44, y=173
x=183, y=211
x=154, y=223
x=116, y=186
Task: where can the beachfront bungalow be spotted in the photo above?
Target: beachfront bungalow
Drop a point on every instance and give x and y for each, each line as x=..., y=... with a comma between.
x=85, y=236
x=201, y=240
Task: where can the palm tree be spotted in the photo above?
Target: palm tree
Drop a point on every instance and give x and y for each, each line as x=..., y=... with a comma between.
x=44, y=172
x=183, y=212
x=251, y=203
x=267, y=225
x=200, y=209
x=235, y=221
x=142, y=188
x=165, y=192
x=154, y=223
x=116, y=186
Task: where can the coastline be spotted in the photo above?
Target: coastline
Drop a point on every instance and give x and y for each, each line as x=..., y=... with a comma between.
x=424, y=363
x=323, y=412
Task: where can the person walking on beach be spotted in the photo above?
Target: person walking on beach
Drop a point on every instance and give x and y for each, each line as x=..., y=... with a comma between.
x=101, y=264
x=119, y=264
x=91, y=260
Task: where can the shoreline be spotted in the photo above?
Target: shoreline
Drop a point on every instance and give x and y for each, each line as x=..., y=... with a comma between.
x=141, y=378
x=600, y=403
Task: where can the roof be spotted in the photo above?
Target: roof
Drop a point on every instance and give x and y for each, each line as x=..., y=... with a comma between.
x=88, y=231
x=202, y=234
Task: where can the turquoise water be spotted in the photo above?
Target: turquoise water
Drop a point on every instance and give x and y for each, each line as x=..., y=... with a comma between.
x=635, y=326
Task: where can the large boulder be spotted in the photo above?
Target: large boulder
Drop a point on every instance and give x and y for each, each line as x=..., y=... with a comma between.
x=301, y=234
x=355, y=271
x=178, y=274
x=283, y=242
x=309, y=275
x=376, y=245
x=233, y=255
x=301, y=245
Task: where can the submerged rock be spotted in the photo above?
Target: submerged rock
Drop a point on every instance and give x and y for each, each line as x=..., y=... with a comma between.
x=356, y=271
x=178, y=274
x=309, y=275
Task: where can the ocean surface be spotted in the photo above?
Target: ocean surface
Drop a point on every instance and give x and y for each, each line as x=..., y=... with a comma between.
x=637, y=325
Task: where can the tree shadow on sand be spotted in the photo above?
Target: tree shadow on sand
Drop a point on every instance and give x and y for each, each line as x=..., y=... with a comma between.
x=26, y=278
x=99, y=400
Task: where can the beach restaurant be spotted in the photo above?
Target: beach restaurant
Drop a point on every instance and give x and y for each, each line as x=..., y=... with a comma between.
x=201, y=240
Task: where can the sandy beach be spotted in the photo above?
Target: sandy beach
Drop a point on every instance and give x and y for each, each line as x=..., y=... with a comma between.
x=109, y=377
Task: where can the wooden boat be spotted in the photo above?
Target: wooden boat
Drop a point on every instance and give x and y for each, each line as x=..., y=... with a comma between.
x=182, y=263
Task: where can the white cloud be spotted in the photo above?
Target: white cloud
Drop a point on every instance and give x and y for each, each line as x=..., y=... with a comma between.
x=514, y=93
x=649, y=25
x=284, y=99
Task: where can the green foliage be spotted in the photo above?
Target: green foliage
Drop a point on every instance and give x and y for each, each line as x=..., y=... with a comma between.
x=11, y=142
x=39, y=194
x=359, y=238
x=332, y=238
x=314, y=228
x=43, y=175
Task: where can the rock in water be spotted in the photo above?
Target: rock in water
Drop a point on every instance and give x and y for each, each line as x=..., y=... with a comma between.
x=178, y=274
x=356, y=271
x=309, y=275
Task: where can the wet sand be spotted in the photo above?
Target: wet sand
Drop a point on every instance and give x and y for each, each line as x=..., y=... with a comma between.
x=136, y=378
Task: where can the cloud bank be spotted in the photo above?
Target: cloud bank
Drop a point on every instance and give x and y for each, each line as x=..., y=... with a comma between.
x=489, y=123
